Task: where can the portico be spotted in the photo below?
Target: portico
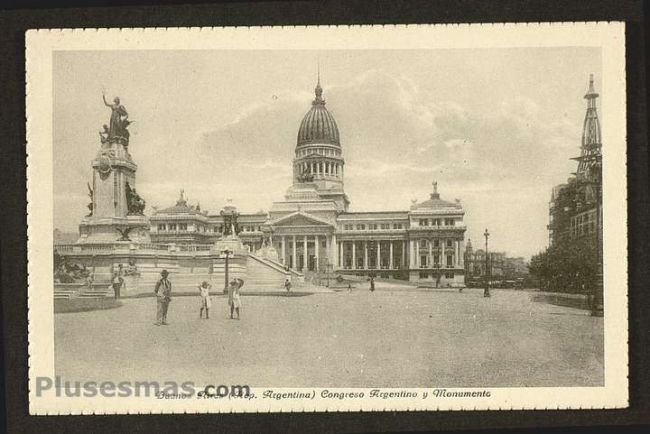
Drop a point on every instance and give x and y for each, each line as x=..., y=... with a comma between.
x=304, y=242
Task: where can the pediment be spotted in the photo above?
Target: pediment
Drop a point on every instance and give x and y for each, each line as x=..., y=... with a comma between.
x=299, y=219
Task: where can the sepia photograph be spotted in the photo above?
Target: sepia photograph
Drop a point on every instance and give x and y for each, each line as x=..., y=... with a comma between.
x=325, y=225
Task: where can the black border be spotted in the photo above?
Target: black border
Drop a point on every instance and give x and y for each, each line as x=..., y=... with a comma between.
x=13, y=23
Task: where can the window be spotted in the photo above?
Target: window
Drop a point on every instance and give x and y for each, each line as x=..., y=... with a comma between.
x=182, y=226
x=423, y=275
x=172, y=226
x=361, y=227
x=449, y=243
x=450, y=260
x=423, y=261
x=372, y=227
x=436, y=243
x=424, y=244
x=323, y=244
x=449, y=275
x=436, y=260
x=397, y=226
x=436, y=222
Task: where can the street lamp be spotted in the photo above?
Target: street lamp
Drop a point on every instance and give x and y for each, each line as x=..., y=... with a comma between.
x=486, y=292
x=327, y=271
x=226, y=254
x=597, y=303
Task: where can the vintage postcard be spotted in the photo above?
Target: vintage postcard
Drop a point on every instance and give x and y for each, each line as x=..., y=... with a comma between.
x=372, y=218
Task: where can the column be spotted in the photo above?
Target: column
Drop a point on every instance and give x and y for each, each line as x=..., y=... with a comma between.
x=328, y=253
x=404, y=253
x=334, y=248
x=443, y=259
x=417, y=253
x=430, y=253
x=305, y=256
x=461, y=248
x=294, y=263
x=390, y=260
x=316, y=246
x=284, y=245
x=379, y=254
x=354, y=257
x=365, y=254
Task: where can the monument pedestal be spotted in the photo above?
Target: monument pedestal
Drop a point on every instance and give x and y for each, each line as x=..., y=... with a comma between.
x=231, y=243
x=111, y=229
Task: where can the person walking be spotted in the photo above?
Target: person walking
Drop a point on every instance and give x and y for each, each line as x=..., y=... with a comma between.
x=163, y=293
x=206, y=303
x=287, y=285
x=234, y=299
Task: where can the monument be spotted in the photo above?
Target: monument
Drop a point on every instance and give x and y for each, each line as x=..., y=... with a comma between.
x=116, y=209
x=114, y=237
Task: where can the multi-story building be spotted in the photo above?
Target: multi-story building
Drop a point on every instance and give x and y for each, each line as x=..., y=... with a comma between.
x=574, y=210
x=312, y=229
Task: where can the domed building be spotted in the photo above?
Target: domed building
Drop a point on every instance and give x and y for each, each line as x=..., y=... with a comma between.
x=313, y=231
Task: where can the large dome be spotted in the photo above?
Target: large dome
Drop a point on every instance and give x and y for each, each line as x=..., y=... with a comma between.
x=318, y=125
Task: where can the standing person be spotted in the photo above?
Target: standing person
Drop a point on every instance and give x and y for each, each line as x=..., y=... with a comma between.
x=372, y=283
x=90, y=279
x=234, y=299
x=287, y=285
x=117, y=284
x=163, y=293
x=206, y=303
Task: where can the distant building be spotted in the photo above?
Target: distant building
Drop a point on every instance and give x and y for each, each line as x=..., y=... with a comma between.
x=499, y=264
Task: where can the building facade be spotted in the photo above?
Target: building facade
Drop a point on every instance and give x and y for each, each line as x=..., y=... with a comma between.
x=574, y=208
x=313, y=230
x=499, y=264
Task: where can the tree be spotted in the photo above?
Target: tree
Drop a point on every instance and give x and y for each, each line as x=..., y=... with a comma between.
x=567, y=266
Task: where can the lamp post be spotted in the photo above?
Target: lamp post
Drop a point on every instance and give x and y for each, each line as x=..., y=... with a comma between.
x=327, y=271
x=598, y=302
x=486, y=292
x=227, y=254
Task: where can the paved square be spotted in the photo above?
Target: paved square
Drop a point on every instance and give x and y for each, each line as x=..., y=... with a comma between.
x=389, y=338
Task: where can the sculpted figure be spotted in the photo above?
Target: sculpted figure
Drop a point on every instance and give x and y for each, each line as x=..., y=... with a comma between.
x=119, y=119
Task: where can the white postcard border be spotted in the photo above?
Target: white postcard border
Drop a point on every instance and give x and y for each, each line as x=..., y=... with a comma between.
x=609, y=36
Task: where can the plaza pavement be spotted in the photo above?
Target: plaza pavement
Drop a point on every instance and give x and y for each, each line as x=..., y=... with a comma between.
x=389, y=338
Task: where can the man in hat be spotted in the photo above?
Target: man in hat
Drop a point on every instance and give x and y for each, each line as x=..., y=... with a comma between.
x=163, y=293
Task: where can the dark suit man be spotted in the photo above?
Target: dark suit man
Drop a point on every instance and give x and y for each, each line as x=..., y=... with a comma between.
x=163, y=293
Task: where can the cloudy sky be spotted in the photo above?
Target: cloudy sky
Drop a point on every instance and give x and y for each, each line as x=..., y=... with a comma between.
x=494, y=127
